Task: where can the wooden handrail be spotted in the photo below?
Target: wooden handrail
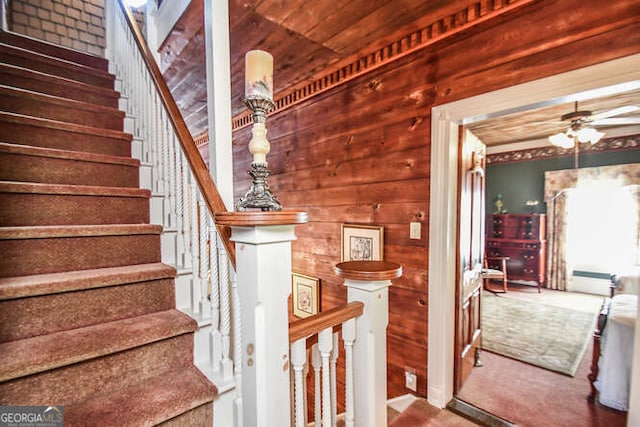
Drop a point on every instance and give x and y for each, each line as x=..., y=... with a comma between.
x=314, y=324
x=201, y=173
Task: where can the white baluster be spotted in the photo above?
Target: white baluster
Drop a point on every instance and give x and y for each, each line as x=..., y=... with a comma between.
x=187, y=259
x=225, y=309
x=237, y=350
x=171, y=187
x=298, y=359
x=203, y=235
x=334, y=359
x=196, y=290
x=216, y=337
x=348, y=337
x=316, y=362
x=325, y=344
x=180, y=224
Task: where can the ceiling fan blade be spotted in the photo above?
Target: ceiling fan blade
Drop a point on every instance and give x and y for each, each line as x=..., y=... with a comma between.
x=614, y=112
x=617, y=122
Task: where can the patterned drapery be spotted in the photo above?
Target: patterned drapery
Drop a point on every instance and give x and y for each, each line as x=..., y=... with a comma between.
x=557, y=187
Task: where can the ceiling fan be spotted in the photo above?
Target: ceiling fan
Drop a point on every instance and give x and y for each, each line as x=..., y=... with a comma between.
x=582, y=125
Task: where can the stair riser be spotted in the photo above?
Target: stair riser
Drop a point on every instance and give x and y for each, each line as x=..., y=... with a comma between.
x=47, y=137
x=22, y=257
x=56, y=68
x=56, y=87
x=61, y=111
x=53, y=170
x=78, y=381
x=54, y=50
x=26, y=209
x=46, y=314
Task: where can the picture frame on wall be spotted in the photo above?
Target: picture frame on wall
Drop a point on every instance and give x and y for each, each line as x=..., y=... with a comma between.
x=362, y=243
x=306, y=295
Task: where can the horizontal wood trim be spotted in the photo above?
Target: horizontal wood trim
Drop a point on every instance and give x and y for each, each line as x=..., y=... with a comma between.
x=314, y=324
x=208, y=188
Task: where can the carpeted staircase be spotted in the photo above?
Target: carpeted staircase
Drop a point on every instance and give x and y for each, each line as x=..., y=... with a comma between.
x=87, y=310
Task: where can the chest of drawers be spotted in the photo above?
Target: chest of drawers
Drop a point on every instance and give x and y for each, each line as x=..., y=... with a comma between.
x=521, y=237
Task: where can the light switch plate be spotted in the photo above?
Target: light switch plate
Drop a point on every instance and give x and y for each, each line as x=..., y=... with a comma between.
x=414, y=230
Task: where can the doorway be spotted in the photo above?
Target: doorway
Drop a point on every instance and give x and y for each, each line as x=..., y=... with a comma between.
x=443, y=220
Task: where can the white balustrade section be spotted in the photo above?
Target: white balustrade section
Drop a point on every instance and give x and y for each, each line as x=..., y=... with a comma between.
x=190, y=241
x=323, y=355
x=363, y=323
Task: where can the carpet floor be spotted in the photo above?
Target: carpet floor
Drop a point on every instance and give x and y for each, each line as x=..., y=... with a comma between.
x=547, y=336
x=534, y=397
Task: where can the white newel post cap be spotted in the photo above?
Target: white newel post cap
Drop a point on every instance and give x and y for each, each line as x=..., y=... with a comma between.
x=368, y=271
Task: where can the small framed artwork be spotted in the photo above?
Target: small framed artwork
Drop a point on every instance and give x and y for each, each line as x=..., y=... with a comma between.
x=362, y=243
x=306, y=295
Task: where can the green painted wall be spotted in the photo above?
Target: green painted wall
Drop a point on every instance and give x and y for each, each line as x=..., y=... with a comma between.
x=522, y=181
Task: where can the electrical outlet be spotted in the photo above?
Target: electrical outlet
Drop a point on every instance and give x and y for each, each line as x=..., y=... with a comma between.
x=414, y=230
x=410, y=380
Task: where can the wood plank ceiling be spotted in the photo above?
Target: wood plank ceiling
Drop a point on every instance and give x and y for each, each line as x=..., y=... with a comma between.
x=306, y=37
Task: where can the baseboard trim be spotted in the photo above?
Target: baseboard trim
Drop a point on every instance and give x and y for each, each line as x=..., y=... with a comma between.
x=476, y=414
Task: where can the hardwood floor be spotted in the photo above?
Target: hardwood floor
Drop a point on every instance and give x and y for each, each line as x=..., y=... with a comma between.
x=531, y=396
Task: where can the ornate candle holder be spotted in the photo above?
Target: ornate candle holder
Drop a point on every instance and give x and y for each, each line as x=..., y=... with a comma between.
x=259, y=196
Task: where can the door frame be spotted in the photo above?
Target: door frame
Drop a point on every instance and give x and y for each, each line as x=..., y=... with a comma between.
x=445, y=120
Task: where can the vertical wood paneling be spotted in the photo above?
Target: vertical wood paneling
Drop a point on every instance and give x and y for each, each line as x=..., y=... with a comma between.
x=359, y=153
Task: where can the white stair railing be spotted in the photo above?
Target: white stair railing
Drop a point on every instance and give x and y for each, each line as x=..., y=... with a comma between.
x=363, y=323
x=190, y=241
x=324, y=355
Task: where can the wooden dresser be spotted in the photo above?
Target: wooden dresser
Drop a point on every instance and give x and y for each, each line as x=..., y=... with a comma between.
x=521, y=237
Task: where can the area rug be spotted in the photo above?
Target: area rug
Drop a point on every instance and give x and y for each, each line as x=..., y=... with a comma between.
x=550, y=337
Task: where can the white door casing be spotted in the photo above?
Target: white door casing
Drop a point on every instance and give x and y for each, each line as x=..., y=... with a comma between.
x=445, y=120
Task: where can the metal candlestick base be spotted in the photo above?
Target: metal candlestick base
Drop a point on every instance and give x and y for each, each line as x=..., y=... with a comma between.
x=259, y=196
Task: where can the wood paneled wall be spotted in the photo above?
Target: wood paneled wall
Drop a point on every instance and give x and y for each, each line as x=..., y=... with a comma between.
x=360, y=153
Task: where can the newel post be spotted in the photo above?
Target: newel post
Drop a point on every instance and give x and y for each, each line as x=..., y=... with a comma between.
x=368, y=282
x=263, y=265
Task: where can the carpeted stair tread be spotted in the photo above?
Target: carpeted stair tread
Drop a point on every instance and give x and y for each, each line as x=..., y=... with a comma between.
x=39, y=132
x=56, y=66
x=41, y=46
x=42, y=353
x=151, y=402
x=56, y=124
x=37, y=104
x=66, y=154
x=23, y=163
x=53, y=231
x=78, y=190
x=24, y=78
x=43, y=284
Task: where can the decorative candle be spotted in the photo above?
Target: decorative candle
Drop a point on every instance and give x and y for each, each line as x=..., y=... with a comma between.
x=258, y=82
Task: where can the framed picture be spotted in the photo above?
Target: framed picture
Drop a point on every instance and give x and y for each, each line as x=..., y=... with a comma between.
x=362, y=243
x=306, y=295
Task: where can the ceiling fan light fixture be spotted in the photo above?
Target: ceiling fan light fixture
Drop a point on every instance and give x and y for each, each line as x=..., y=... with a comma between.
x=562, y=140
x=589, y=134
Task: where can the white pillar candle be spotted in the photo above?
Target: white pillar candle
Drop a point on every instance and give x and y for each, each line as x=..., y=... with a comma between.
x=258, y=80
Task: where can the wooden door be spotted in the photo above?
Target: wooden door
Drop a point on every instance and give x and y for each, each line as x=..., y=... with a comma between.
x=470, y=255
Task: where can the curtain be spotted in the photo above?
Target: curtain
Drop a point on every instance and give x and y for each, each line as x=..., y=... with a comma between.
x=557, y=190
